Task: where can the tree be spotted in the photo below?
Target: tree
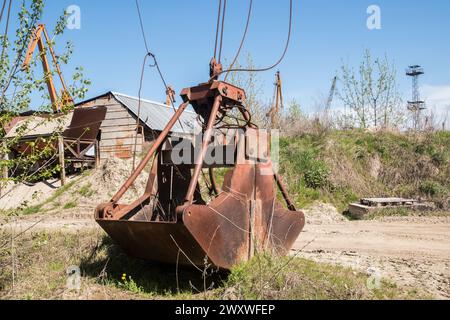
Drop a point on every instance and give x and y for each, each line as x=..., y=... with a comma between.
x=17, y=88
x=251, y=83
x=371, y=94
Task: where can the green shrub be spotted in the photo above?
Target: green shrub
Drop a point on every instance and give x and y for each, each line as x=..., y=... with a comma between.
x=439, y=158
x=306, y=163
x=316, y=177
x=431, y=188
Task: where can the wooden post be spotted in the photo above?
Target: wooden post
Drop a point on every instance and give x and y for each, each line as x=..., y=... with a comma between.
x=61, y=160
x=4, y=170
x=97, y=154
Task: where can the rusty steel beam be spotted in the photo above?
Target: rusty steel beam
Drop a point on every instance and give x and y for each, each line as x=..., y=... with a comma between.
x=201, y=156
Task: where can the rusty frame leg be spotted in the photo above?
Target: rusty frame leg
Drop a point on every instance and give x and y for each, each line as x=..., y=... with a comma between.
x=212, y=179
x=200, y=158
x=159, y=141
x=284, y=192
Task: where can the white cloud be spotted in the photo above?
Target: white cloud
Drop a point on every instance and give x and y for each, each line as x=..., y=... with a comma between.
x=438, y=100
x=436, y=95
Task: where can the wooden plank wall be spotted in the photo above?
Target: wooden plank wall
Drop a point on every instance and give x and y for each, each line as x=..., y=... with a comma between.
x=118, y=130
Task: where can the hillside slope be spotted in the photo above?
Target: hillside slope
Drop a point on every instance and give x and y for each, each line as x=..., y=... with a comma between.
x=341, y=166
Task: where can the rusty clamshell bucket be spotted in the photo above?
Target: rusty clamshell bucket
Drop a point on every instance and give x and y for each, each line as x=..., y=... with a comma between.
x=172, y=223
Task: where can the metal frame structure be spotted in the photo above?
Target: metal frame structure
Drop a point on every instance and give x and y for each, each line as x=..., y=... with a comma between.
x=416, y=105
x=37, y=39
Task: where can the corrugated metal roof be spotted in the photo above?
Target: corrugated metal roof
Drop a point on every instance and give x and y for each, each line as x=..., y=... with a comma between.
x=35, y=126
x=156, y=115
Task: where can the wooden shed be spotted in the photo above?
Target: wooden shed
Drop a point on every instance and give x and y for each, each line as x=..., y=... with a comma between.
x=117, y=137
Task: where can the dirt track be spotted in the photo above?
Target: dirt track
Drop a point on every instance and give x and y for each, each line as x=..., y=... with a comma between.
x=410, y=251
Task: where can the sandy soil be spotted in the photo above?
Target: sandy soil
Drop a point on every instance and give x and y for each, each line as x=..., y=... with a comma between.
x=99, y=186
x=410, y=251
x=69, y=221
x=17, y=195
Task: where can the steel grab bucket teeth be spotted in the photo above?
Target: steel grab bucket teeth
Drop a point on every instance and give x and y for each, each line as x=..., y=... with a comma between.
x=172, y=223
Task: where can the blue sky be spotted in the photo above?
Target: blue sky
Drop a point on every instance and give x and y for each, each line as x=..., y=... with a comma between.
x=325, y=32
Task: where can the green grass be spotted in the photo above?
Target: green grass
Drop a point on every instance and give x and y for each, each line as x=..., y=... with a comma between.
x=87, y=191
x=70, y=205
x=107, y=273
x=336, y=167
x=269, y=277
x=44, y=257
x=405, y=212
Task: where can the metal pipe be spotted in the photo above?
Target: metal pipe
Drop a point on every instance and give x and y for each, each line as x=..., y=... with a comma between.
x=284, y=192
x=200, y=158
x=161, y=138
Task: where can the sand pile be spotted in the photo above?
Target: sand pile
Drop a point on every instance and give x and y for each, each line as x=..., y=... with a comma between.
x=83, y=192
x=321, y=213
x=100, y=185
x=108, y=179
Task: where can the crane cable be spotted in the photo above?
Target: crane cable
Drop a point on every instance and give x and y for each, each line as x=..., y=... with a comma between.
x=4, y=44
x=3, y=9
x=154, y=64
x=217, y=28
x=141, y=23
x=242, y=40
x=276, y=63
x=7, y=21
x=222, y=29
x=155, y=61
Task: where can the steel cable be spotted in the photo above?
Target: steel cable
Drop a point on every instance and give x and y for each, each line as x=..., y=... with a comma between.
x=155, y=61
x=155, y=64
x=243, y=38
x=222, y=29
x=217, y=28
x=279, y=60
x=3, y=9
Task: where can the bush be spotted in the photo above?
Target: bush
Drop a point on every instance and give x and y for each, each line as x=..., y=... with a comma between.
x=431, y=188
x=313, y=171
x=316, y=177
x=439, y=158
